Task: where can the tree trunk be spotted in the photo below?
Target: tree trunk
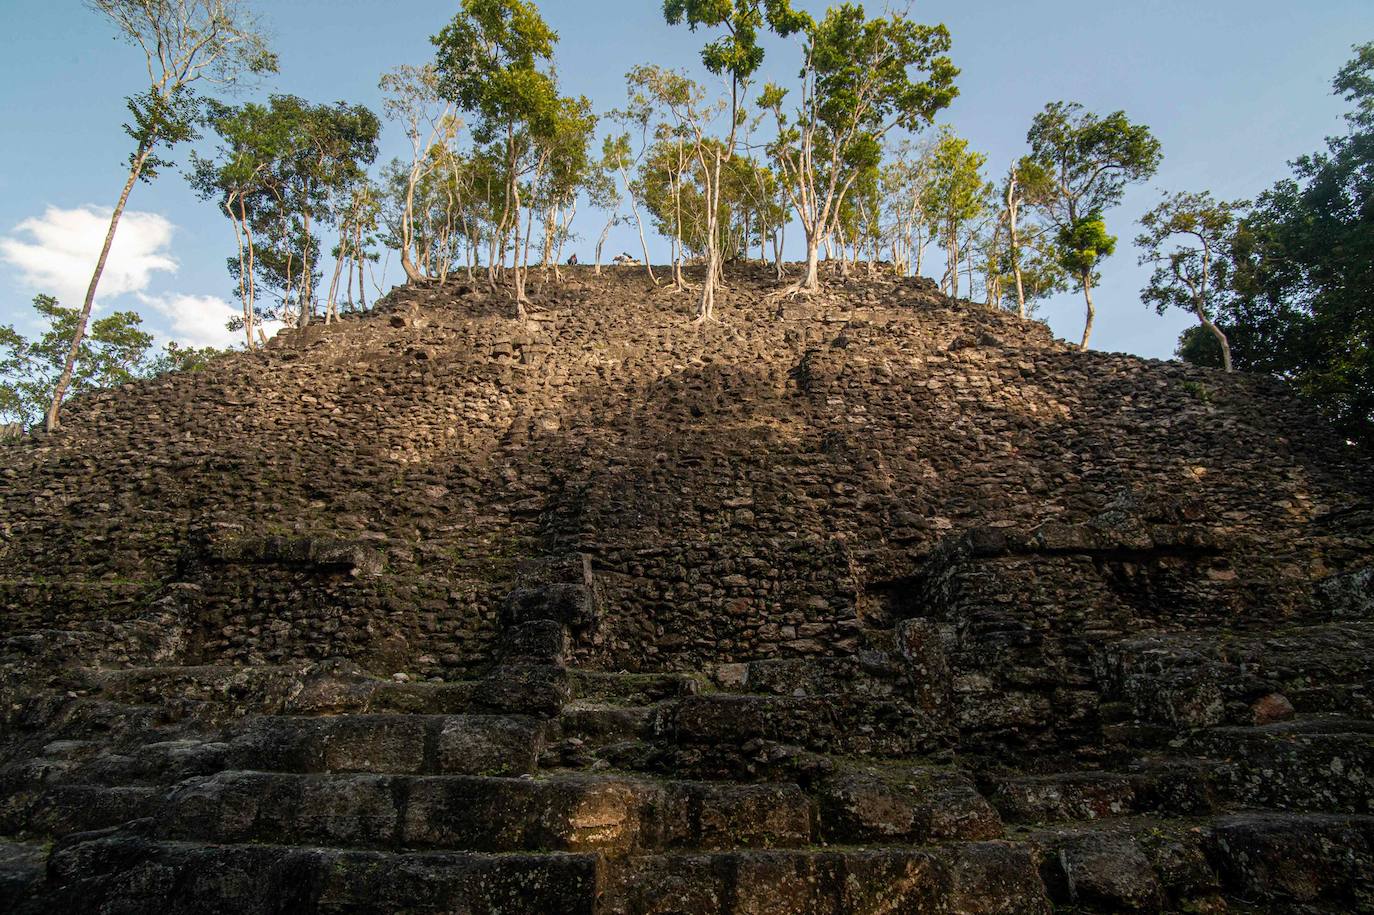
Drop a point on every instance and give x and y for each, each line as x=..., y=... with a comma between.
x=1016, y=267
x=954, y=264
x=65, y=379
x=348, y=286
x=243, y=288
x=546, y=255
x=639, y=224
x=1221, y=339
x=1087, y=298
x=307, y=278
x=334, y=286
x=413, y=274
x=813, y=265
x=518, y=274
x=252, y=308
x=358, y=251
x=601, y=243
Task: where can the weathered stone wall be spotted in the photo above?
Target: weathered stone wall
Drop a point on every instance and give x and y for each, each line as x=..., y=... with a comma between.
x=767, y=487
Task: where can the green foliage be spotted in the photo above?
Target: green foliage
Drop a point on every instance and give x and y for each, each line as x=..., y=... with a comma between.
x=282, y=166
x=1084, y=244
x=217, y=41
x=177, y=358
x=956, y=193
x=737, y=53
x=1198, y=389
x=860, y=79
x=1034, y=247
x=567, y=150
x=1198, y=347
x=1183, y=239
x=864, y=71
x=1088, y=159
x=161, y=119
x=489, y=60
x=672, y=184
x=1300, y=297
x=113, y=351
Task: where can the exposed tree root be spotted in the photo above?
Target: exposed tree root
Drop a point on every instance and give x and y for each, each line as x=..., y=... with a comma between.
x=791, y=292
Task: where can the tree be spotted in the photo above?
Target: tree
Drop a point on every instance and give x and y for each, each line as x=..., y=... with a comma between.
x=956, y=195
x=177, y=358
x=1300, y=296
x=239, y=179
x=112, y=353
x=665, y=168
x=603, y=191
x=672, y=183
x=905, y=181
x=1088, y=161
x=1185, y=239
x=765, y=198
x=309, y=155
x=1026, y=182
x=736, y=56
x=357, y=211
x=857, y=85
x=562, y=168
x=412, y=98
x=651, y=88
x=489, y=60
x=185, y=43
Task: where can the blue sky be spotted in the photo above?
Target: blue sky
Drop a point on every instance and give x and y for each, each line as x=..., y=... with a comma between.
x=1233, y=89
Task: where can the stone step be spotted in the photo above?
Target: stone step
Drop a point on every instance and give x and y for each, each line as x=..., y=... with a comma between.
x=596, y=735
x=64, y=809
x=383, y=743
x=61, y=717
x=1202, y=679
x=890, y=803
x=468, y=744
x=293, y=690
x=1168, y=787
x=129, y=872
x=599, y=723
x=869, y=673
x=1309, y=764
x=391, y=743
x=1268, y=861
x=22, y=867
x=563, y=812
x=631, y=688
x=1297, y=860
x=992, y=878
x=845, y=723
x=125, y=872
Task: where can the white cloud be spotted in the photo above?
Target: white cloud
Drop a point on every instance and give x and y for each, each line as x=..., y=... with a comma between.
x=56, y=252
x=200, y=320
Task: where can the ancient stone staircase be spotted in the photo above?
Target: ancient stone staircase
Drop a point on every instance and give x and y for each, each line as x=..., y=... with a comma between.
x=830, y=785
x=534, y=789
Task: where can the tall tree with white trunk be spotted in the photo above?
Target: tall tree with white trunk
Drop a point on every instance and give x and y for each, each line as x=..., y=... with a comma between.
x=1186, y=240
x=861, y=79
x=1089, y=160
x=735, y=55
x=185, y=44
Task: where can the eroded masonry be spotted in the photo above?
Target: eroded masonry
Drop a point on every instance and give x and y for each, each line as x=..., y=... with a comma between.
x=875, y=602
